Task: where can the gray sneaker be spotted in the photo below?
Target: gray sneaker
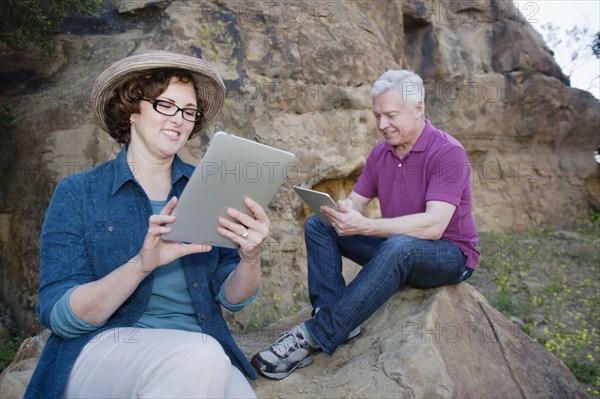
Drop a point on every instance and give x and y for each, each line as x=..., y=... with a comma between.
x=291, y=351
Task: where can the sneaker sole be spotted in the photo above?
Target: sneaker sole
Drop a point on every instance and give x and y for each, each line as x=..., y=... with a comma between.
x=279, y=376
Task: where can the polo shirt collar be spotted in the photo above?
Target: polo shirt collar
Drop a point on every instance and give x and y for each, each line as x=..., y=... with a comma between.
x=422, y=141
x=123, y=172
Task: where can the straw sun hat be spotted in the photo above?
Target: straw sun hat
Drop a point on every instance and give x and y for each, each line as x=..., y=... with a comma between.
x=209, y=85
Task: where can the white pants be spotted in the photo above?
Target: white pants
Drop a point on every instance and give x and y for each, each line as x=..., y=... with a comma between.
x=155, y=363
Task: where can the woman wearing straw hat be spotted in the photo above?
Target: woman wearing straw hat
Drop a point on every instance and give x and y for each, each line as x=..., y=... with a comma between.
x=131, y=314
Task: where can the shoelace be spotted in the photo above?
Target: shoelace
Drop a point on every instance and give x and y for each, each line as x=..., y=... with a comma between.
x=288, y=341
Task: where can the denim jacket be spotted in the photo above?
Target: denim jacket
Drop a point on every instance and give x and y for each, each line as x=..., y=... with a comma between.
x=96, y=222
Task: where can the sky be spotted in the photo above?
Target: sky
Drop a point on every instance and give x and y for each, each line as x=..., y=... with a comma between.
x=566, y=14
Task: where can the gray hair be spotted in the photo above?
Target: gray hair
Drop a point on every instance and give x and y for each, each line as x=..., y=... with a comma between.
x=408, y=83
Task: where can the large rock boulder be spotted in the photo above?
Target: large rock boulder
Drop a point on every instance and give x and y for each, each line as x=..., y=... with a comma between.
x=437, y=343
x=298, y=77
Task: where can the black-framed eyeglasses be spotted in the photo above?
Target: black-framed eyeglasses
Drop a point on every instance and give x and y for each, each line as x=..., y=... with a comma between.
x=168, y=108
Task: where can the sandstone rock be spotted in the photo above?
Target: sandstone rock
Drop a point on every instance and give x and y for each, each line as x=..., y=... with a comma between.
x=129, y=6
x=570, y=235
x=14, y=379
x=438, y=343
x=8, y=327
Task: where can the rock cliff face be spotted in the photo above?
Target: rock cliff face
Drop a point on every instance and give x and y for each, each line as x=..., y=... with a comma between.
x=298, y=76
x=439, y=343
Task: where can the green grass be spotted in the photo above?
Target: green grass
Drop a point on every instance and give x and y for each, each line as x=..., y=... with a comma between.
x=548, y=282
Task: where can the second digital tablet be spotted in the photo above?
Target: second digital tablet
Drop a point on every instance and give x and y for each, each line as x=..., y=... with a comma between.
x=314, y=200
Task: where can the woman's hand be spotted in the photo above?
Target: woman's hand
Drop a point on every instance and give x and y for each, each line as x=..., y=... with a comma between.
x=158, y=252
x=248, y=232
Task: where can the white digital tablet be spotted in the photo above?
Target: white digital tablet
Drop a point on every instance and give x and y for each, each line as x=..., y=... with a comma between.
x=314, y=200
x=232, y=168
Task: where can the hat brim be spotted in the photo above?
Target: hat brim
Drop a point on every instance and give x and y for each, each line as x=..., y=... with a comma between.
x=209, y=85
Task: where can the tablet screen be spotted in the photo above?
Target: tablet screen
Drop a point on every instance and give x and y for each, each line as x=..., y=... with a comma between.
x=232, y=168
x=314, y=200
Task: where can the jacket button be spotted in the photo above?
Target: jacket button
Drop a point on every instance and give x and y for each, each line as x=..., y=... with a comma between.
x=195, y=285
x=111, y=229
x=204, y=317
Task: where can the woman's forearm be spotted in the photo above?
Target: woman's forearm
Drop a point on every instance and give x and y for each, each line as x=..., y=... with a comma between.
x=243, y=282
x=96, y=301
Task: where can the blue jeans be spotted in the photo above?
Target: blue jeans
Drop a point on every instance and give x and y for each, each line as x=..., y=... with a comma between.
x=386, y=264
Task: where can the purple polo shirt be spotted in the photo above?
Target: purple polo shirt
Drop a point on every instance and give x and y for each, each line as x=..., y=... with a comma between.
x=435, y=169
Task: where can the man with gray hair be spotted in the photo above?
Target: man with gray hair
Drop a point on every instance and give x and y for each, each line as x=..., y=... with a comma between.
x=426, y=235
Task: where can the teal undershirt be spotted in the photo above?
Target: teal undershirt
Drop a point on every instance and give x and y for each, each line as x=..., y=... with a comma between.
x=170, y=304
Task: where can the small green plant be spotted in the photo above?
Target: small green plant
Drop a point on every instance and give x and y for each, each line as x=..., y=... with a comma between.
x=7, y=118
x=527, y=71
x=8, y=349
x=584, y=372
x=263, y=318
x=32, y=21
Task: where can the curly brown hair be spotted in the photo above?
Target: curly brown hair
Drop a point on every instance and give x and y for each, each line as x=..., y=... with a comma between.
x=126, y=99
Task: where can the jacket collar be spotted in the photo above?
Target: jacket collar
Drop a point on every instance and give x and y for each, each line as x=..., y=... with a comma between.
x=123, y=171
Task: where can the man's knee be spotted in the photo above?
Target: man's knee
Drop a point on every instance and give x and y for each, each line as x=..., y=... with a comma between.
x=313, y=224
x=400, y=245
x=314, y=228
